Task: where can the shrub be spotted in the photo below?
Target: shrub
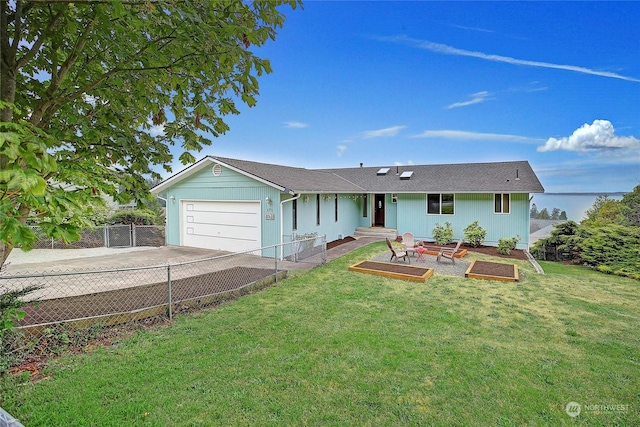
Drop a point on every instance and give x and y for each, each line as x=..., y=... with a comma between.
x=474, y=234
x=134, y=216
x=565, y=241
x=506, y=245
x=10, y=303
x=613, y=249
x=443, y=235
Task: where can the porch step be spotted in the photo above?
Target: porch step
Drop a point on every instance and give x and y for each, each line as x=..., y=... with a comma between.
x=379, y=232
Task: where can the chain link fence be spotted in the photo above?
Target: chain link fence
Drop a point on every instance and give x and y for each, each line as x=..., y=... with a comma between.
x=66, y=302
x=108, y=236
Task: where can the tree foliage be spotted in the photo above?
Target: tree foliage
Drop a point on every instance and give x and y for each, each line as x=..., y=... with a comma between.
x=564, y=242
x=608, y=239
x=613, y=249
x=133, y=216
x=83, y=86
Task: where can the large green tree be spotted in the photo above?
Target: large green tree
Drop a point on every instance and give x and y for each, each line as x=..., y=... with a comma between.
x=83, y=83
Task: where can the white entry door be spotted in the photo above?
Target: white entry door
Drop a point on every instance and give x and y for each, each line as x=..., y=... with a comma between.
x=221, y=225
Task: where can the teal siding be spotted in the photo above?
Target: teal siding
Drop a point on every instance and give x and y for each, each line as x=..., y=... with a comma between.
x=413, y=217
x=390, y=212
x=409, y=214
x=307, y=215
x=229, y=185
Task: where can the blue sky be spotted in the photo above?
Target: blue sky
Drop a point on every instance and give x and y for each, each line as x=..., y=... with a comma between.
x=398, y=83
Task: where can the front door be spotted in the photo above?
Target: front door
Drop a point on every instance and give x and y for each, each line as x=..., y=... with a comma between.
x=378, y=210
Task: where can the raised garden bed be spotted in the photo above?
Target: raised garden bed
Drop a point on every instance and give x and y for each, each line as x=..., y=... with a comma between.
x=486, y=270
x=393, y=271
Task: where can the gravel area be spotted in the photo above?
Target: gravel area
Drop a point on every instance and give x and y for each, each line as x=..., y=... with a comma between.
x=18, y=256
x=445, y=267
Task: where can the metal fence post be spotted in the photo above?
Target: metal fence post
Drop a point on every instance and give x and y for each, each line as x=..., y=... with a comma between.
x=169, y=289
x=276, y=258
x=324, y=248
x=133, y=234
x=106, y=236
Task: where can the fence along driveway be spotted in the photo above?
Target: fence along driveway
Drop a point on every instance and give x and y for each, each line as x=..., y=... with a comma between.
x=116, y=295
x=108, y=236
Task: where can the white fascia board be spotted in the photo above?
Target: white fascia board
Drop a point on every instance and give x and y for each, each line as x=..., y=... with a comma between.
x=184, y=173
x=198, y=166
x=257, y=178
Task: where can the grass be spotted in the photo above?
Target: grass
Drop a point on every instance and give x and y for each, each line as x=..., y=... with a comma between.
x=333, y=347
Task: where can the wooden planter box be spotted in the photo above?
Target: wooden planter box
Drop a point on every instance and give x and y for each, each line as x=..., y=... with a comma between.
x=486, y=270
x=393, y=270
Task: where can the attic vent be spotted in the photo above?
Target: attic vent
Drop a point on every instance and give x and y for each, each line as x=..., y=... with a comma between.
x=383, y=171
x=216, y=170
x=406, y=175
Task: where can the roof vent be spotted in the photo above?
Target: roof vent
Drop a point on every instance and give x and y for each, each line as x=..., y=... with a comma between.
x=406, y=175
x=383, y=171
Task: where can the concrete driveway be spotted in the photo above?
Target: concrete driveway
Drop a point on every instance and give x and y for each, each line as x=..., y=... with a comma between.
x=39, y=260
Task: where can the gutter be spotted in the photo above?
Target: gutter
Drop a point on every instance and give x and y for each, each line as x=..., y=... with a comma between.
x=282, y=223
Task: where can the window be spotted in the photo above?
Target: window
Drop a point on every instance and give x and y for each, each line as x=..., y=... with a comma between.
x=294, y=209
x=502, y=203
x=364, y=205
x=317, y=209
x=440, y=204
x=336, y=206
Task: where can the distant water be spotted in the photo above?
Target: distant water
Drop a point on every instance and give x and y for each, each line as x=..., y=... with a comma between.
x=574, y=204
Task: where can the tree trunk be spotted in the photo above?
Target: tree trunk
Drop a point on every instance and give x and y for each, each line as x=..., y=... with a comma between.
x=5, y=251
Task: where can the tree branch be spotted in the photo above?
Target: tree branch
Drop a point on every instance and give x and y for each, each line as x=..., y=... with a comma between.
x=39, y=41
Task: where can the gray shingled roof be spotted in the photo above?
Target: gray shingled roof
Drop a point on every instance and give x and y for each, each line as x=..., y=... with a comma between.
x=299, y=180
x=508, y=177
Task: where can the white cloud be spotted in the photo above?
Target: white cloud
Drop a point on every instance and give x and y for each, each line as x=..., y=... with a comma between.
x=391, y=131
x=156, y=130
x=341, y=149
x=476, y=98
x=409, y=163
x=295, y=125
x=599, y=135
x=450, y=50
x=473, y=136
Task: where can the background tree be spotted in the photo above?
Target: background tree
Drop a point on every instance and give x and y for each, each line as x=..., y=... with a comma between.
x=544, y=214
x=533, y=212
x=83, y=83
x=631, y=206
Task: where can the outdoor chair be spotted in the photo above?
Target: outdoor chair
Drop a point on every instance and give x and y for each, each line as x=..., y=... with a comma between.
x=449, y=253
x=397, y=254
x=407, y=240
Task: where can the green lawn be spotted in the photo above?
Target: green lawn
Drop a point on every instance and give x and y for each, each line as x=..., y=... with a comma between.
x=333, y=347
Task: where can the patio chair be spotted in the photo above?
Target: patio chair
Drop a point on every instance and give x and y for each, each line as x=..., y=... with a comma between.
x=397, y=254
x=449, y=253
x=407, y=240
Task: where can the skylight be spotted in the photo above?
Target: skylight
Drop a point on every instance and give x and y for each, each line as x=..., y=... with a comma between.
x=383, y=171
x=406, y=175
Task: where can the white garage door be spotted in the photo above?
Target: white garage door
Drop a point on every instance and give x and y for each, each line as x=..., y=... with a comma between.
x=227, y=226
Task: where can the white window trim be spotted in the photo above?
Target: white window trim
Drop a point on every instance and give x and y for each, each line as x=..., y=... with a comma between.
x=502, y=212
x=440, y=205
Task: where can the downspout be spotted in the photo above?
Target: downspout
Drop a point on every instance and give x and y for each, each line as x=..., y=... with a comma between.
x=282, y=223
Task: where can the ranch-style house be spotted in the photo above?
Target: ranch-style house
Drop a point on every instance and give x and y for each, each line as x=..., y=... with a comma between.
x=237, y=205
